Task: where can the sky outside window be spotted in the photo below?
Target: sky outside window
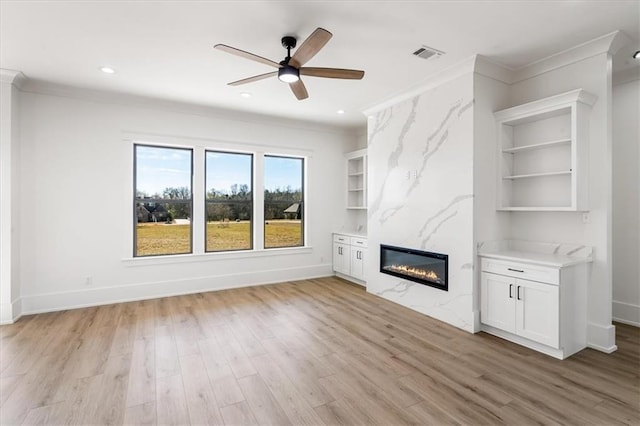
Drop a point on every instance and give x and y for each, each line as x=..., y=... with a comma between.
x=159, y=168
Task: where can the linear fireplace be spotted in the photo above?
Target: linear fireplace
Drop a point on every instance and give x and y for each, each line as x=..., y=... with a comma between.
x=423, y=267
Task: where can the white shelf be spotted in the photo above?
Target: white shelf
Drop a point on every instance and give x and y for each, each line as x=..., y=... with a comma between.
x=542, y=149
x=535, y=175
x=357, y=180
x=537, y=146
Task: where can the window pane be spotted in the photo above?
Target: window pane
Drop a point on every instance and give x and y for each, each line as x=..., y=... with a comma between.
x=229, y=201
x=163, y=200
x=163, y=228
x=163, y=172
x=283, y=202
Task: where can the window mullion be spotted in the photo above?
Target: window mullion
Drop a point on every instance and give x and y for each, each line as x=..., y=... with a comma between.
x=198, y=216
x=258, y=205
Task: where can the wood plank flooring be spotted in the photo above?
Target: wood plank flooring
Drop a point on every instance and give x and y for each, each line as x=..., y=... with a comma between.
x=308, y=352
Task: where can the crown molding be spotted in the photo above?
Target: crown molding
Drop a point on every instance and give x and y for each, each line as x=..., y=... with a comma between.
x=437, y=79
x=17, y=78
x=40, y=87
x=608, y=43
x=495, y=70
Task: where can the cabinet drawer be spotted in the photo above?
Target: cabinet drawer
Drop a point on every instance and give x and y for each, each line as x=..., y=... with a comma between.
x=522, y=270
x=338, y=238
x=358, y=242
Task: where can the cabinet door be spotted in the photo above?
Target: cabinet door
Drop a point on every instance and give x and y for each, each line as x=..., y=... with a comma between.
x=341, y=258
x=498, y=301
x=357, y=262
x=538, y=312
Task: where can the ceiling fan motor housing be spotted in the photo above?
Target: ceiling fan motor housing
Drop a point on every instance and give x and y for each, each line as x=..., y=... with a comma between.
x=289, y=42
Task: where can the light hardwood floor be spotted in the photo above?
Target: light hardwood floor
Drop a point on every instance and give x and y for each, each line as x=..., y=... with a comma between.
x=308, y=352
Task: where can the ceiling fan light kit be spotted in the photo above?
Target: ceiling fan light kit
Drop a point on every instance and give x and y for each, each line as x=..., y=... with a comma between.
x=288, y=74
x=290, y=69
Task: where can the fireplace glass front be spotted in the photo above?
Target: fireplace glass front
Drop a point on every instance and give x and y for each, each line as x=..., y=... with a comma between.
x=415, y=265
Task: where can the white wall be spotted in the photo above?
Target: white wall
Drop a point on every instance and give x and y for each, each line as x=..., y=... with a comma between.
x=421, y=196
x=593, y=75
x=626, y=202
x=75, y=186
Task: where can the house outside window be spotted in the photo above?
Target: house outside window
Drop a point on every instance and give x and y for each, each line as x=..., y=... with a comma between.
x=162, y=200
x=283, y=201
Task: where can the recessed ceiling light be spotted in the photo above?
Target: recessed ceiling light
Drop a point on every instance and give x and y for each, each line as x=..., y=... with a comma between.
x=340, y=111
x=107, y=70
x=245, y=95
x=636, y=55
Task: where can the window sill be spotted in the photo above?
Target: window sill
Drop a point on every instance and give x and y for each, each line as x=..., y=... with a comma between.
x=208, y=257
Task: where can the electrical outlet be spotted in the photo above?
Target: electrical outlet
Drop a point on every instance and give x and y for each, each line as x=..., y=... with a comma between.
x=88, y=280
x=586, y=217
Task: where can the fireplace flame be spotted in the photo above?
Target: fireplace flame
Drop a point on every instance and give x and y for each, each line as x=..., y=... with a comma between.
x=414, y=272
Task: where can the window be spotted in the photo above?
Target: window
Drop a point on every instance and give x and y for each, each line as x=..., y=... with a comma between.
x=283, y=201
x=228, y=201
x=162, y=202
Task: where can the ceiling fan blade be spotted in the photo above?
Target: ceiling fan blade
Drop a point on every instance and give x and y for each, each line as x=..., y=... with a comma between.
x=246, y=55
x=254, y=78
x=332, y=73
x=299, y=90
x=310, y=47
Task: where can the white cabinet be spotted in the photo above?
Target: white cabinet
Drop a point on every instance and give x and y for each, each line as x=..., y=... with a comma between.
x=543, y=153
x=357, y=262
x=527, y=308
x=341, y=253
x=349, y=256
x=538, y=306
x=357, y=179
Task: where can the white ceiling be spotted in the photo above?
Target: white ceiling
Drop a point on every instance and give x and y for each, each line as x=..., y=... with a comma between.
x=164, y=49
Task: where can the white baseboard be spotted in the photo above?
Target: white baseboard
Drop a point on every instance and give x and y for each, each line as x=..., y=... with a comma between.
x=59, y=301
x=601, y=337
x=626, y=313
x=6, y=313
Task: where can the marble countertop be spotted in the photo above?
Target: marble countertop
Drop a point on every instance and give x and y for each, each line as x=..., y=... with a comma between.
x=546, y=254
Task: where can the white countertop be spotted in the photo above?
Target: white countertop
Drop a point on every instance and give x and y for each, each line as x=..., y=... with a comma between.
x=545, y=259
x=546, y=254
x=352, y=234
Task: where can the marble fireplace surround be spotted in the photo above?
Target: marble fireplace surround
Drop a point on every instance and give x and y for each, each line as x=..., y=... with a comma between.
x=420, y=154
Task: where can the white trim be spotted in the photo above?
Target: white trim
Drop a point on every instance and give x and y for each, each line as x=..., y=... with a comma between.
x=161, y=104
x=351, y=279
x=6, y=313
x=601, y=337
x=435, y=80
x=541, y=105
x=50, y=302
x=213, y=256
x=607, y=43
x=626, y=313
x=494, y=70
x=530, y=344
x=12, y=77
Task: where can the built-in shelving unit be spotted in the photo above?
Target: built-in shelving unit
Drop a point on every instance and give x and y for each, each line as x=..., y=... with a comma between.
x=357, y=180
x=543, y=149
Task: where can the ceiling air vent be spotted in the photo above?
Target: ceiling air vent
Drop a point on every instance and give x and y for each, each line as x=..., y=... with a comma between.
x=425, y=52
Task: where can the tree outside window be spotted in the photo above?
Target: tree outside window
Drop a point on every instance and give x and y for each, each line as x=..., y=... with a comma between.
x=163, y=200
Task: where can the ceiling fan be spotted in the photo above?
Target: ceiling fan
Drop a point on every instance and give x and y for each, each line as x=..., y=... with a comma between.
x=291, y=68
